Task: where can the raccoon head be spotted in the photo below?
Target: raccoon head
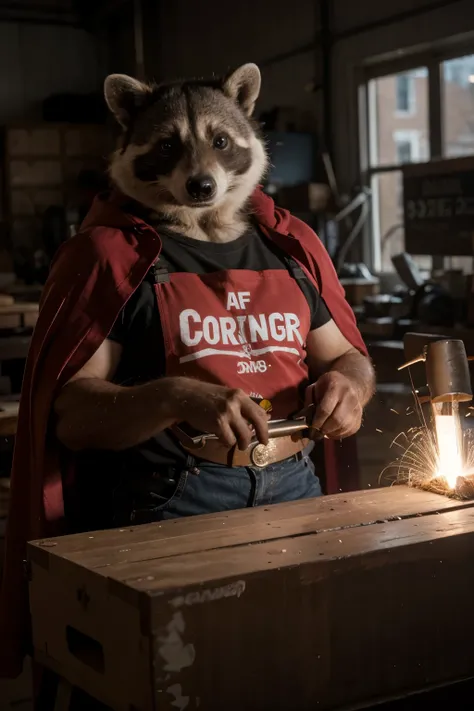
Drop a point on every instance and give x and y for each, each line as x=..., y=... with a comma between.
x=190, y=146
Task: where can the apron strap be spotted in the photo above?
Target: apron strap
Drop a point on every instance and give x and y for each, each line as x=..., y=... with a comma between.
x=295, y=270
x=299, y=275
x=158, y=273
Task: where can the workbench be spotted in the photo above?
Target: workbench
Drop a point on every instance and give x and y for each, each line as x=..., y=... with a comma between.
x=330, y=603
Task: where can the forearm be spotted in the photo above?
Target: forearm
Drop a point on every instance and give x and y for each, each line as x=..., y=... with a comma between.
x=359, y=370
x=95, y=414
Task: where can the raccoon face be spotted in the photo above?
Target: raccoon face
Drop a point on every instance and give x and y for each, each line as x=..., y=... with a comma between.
x=188, y=145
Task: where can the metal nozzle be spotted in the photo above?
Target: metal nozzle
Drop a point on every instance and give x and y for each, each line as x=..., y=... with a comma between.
x=447, y=371
x=446, y=366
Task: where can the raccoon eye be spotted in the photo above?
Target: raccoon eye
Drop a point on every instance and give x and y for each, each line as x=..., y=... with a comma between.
x=221, y=142
x=165, y=147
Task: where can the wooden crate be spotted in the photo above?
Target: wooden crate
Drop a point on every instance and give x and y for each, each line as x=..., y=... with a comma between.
x=18, y=315
x=42, y=163
x=318, y=604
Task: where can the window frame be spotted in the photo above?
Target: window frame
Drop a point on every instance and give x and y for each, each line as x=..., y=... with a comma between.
x=432, y=60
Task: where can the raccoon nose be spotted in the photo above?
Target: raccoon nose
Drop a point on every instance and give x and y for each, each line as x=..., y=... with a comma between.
x=201, y=188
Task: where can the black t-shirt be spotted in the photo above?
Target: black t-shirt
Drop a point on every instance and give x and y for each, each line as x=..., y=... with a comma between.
x=138, y=327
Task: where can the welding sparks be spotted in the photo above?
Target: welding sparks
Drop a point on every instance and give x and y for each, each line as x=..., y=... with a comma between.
x=418, y=462
x=437, y=456
x=449, y=441
x=433, y=459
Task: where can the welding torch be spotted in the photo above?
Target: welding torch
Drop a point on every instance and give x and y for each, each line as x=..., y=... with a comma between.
x=446, y=383
x=447, y=377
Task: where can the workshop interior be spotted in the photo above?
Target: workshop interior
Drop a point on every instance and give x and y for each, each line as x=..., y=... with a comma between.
x=356, y=599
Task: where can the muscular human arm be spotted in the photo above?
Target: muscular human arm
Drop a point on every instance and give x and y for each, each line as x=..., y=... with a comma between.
x=343, y=382
x=94, y=413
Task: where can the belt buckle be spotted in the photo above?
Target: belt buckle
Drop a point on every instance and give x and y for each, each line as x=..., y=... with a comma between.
x=260, y=455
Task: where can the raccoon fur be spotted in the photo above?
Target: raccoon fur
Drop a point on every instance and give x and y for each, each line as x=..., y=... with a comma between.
x=190, y=151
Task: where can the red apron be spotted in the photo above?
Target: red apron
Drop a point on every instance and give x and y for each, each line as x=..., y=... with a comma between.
x=238, y=328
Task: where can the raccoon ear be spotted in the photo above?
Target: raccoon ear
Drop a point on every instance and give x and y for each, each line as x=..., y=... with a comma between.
x=124, y=95
x=243, y=85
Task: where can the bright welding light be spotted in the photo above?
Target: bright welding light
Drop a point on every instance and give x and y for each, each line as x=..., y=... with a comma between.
x=448, y=435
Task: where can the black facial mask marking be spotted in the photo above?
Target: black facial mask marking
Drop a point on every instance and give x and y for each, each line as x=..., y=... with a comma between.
x=159, y=161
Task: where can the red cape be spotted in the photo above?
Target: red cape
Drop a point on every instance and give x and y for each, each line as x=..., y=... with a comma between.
x=91, y=279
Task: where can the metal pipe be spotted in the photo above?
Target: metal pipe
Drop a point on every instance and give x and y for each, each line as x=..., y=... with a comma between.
x=276, y=428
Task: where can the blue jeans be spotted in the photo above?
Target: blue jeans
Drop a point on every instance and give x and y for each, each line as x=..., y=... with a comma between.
x=211, y=488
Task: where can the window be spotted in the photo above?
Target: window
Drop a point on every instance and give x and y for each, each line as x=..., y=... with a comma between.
x=399, y=108
x=391, y=145
x=458, y=106
x=404, y=152
x=407, y=146
x=405, y=93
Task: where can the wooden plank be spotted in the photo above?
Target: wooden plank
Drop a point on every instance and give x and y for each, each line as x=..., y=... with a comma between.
x=18, y=315
x=21, y=307
x=103, y=549
x=191, y=569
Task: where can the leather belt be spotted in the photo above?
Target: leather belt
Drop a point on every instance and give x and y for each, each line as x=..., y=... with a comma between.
x=256, y=455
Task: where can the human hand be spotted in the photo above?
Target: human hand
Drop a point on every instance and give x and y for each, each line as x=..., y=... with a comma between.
x=228, y=413
x=337, y=408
